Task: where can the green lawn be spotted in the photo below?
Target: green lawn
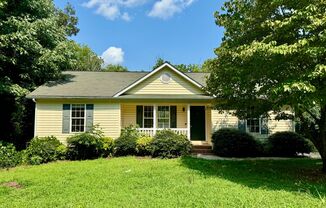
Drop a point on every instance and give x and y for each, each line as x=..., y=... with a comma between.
x=186, y=182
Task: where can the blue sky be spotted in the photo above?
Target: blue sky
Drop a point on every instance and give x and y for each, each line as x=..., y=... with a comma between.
x=134, y=33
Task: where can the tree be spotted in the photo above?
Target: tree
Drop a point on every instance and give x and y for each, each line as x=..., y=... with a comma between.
x=114, y=68
x=273, y=54
x=181, y=67
x=33, y=49
x=84, y=58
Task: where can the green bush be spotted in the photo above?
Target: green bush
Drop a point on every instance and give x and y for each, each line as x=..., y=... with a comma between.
x=44, y=149
x=89, y=145
x=288, y=144
x=126, y=143
x=167, y=144
x=9, y=157
x=235, y=143
x=107, y=146
x=144, y=146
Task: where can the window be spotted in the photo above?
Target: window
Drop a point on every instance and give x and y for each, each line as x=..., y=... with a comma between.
x=148, y=116
x=77, y=117
x=163, y=116
x=253, y=125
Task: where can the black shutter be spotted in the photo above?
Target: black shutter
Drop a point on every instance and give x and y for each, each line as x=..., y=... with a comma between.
x=66, y=118
x=89, y=116
x=139, y=116
x=173, y=116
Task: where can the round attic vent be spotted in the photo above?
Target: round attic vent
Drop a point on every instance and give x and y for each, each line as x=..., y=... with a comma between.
x=165, y=78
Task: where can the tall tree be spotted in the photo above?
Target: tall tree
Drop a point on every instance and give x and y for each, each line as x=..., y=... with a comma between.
x=84, y=58
x=33, y=49
x=273, y=54
x=181, y=67
x=114, y=68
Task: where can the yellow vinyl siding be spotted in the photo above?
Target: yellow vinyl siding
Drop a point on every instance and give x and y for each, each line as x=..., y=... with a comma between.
x=177, y=85
x=279, y=125
x=49, y=118
x=128, y=115
x=223, y=120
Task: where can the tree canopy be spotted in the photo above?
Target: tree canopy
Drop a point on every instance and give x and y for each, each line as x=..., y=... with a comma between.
x=114, y=68
x=84, y=59
x=273, y=54
x=34, y=49
x=183, y=67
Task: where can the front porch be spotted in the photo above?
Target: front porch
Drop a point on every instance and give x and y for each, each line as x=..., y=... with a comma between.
x=190, y=119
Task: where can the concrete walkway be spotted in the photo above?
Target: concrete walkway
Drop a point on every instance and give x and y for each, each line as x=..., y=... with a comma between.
x=214, y=157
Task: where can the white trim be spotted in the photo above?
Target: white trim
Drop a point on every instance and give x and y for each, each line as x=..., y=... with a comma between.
x=35, y=118
x=154, y=119
x=153, y=72
x=188, y=121
x=70, y=121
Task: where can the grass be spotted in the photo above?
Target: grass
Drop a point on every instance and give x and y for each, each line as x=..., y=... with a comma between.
x=185, y=182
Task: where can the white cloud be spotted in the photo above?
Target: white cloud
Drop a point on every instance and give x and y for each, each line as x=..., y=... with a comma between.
x=125, y=16
x=166, y=9
x=113, y=55
x=112, y=9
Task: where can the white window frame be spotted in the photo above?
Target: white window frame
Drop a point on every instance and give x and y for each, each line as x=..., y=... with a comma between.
x=169, y=117
x=260, y=125
x=73, y=132
x=148, y=117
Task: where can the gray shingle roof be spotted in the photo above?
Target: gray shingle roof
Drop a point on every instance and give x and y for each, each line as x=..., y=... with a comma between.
x=95, y=84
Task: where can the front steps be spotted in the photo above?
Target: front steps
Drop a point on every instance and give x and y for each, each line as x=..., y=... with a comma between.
x=202, y=149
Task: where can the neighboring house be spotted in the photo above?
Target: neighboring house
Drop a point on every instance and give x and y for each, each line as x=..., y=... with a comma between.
x=164, y=98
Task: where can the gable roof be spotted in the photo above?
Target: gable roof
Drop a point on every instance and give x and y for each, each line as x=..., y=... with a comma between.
x=166, y=64
x=96, y=84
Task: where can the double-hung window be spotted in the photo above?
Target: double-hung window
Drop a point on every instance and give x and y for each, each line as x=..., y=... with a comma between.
x=163, y=117
x=253, y=125
x=77, y=117
x=166, y=116
x=148, y=117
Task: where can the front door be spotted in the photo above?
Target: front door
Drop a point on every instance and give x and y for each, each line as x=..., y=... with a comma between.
x=197, y=123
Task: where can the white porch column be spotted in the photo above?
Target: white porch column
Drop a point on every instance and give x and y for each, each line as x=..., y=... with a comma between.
x=188, y=121
x=154, y=119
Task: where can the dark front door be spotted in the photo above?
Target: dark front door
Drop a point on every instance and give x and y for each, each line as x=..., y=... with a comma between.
x=197, y=123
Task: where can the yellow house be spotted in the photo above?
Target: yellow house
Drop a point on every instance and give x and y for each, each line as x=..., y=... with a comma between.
x=160, y=99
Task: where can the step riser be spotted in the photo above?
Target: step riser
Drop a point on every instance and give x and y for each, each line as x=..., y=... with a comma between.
x=202, y=151
x=202, y=147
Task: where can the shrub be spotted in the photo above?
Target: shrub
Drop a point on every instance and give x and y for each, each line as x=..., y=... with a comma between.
x=43, y=150
x=126, y=143
x=144, y=146
x=167, y=144
x=235, y=143
x=9, y=157
x=89, y=145
x=107, y=146
x=288, y=144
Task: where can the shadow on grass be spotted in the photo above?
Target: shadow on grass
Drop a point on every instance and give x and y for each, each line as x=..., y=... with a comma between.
x=294, y=175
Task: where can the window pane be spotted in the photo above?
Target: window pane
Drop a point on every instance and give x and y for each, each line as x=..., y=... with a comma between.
x=253, y=125
x=148, y=123
x=163, y=117
x=77, y=117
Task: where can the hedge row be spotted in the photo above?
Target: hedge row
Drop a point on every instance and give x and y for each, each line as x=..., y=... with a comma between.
x=91, y=145
x=235, y=143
